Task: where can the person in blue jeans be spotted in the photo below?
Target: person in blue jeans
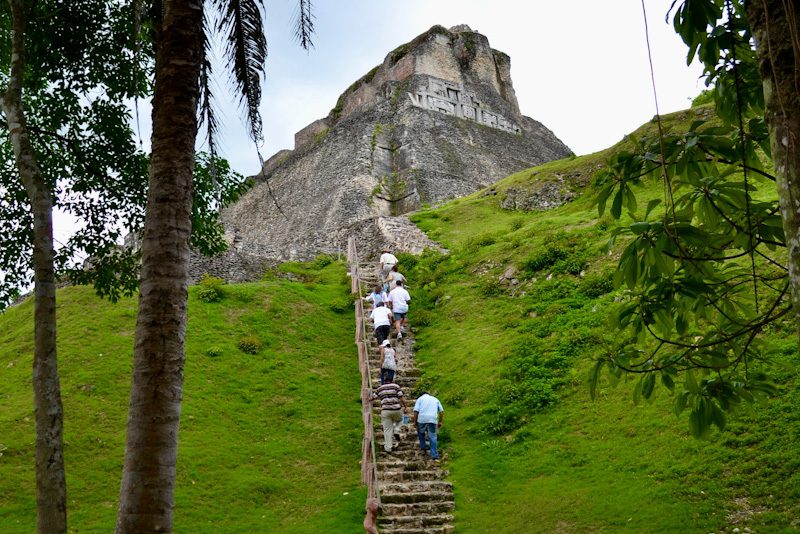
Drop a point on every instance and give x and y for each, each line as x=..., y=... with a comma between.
x=428, y=417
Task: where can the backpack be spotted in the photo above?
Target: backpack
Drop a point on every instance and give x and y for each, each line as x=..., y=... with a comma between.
x=388, y=359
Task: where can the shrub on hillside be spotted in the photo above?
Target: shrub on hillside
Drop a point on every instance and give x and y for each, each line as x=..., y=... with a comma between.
x=572, y=264
x=214, y=352
x=543, y=259
x=597, y=285
x=422, y=318
x=321, y=261
x=491, y=288
x=406, y=261
x=210, y=288
x=249, y=344
x=342, y=304
x=477, y=242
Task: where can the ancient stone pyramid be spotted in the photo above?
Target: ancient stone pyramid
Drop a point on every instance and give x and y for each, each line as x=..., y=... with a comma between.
x=438, y=119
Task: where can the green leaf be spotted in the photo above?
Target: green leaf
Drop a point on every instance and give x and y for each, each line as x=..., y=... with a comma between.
x=698, y=423
x=631, y=270
x=717, y=415
x=667, y=381
x=690, y=382
x=648, y=383
x=630, y=200
x=681, y=401
x=616, y=206
x=637, y=391
x=651, y=205
x=602, y=198
x=594, y=375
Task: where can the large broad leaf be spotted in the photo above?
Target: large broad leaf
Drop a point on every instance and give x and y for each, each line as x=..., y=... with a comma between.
x=616, y=205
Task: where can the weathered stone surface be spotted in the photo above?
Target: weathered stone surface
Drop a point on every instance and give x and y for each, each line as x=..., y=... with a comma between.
x=438, y=119
x=545, y=196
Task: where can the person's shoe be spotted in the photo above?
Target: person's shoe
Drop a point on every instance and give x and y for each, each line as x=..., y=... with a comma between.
x=399, y=335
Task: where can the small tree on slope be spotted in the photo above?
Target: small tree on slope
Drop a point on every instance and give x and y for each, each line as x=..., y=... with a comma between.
x=707, y=275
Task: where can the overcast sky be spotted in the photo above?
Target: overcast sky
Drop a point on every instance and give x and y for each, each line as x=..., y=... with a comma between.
x=578, y=66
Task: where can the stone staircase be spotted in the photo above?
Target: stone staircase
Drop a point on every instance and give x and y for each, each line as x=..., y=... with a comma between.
x=414, y=495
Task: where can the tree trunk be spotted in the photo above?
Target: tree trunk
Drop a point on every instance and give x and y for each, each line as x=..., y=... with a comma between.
x=51, y=487
x=148, y=480
x=776, y=30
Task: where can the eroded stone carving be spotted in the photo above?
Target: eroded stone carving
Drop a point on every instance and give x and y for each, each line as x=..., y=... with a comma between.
x=453, y=99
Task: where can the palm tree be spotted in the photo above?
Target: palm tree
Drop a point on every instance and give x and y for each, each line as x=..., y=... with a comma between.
x=181, y=37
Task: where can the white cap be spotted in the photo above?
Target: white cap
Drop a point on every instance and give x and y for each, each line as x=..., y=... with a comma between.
x=385, y=343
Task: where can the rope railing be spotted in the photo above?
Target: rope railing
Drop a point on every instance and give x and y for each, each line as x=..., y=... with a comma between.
x=369, y=466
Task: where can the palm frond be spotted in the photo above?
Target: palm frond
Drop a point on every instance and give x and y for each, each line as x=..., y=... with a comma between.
x=208, y=117
x=304, y=24
x=246, y=52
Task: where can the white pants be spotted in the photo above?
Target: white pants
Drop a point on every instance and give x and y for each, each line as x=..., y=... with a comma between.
x=392, y=423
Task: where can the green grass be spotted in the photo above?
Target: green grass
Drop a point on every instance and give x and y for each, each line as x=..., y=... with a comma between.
x=269, y=442
x=528, y=450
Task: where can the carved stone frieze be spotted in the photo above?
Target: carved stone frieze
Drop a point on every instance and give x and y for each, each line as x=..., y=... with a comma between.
x=454, y=99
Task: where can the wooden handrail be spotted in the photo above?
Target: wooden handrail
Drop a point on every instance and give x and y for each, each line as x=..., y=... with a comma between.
x=369, y=466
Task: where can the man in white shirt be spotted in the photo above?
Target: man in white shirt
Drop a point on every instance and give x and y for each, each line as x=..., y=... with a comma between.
x=399, y=299
x=381, y=321
x=388, y=260
x=428, y=417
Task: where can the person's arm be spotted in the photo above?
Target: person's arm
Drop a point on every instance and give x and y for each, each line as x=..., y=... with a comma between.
x=414, y=417
x=441, y=418
x=380, y=366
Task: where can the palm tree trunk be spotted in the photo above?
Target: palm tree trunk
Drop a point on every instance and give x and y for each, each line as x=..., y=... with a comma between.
x=776, y=29
x=148, y=480
x=51, y=487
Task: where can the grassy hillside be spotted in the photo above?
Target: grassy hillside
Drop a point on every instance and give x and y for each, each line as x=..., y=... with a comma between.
x=507, y=325
x=269, y=442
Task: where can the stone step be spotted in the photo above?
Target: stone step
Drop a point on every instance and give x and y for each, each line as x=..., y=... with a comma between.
x=406, y=452
x=388, y=476
x=399, y=449
x=406, y=372
x=395, y=463
x=422, y=497
x=440, y=529
x=421, y=521
x=391, y=509
x=417, y=486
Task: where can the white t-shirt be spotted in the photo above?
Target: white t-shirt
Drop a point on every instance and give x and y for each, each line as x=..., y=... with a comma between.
x=399, y=298
x=388, y=259
x=381, y=316
x=388, y=359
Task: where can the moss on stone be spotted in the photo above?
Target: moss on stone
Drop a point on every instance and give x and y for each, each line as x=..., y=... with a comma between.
x=319, y=136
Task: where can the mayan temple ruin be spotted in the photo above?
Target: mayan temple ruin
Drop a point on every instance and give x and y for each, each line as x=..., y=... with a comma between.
x=438, y=119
